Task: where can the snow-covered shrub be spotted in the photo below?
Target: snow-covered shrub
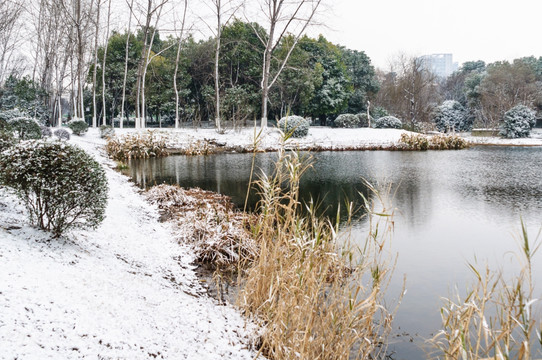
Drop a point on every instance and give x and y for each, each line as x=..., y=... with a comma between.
x=378, y=112
x=46, y=131
x=347, y=121
x=452, y=116
x=78, y=127
x=518, y=122
x=136, y=146
x=363, y=120
x=7, y=115
x=61, y=185
x=388, y=122
x=26, y=128
x=62, y=134
x=295, y=125
x=6, y=139
x=106, y=131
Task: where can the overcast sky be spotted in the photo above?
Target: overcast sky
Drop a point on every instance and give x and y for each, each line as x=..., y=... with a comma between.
x=488, y=30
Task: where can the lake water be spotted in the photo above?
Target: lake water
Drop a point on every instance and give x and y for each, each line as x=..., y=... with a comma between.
x=452, y=207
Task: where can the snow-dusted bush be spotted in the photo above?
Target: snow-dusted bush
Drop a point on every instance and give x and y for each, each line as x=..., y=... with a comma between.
x=62, y=134
x=6, y=139
x=61, y=185
x=452, y=116
x=414, y=141
x=347, y=121
x=26, y=128
x=106, y=131
x=518, y=122
x=78, y=127
x=295, y=125
x=46, y=131
x=388, y=122
x=363, y=120
x=8, y=115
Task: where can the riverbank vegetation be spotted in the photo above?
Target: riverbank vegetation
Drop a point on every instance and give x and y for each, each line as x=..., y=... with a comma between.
x=498, y=317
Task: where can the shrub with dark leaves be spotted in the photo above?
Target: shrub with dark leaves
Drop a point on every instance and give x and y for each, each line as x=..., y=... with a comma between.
x=46, y=131
x=347, y=121
x=62, y=134
x=26, y=128
x=295, y=125
x=6, y=139
x=79, y=127
x=106, y=131
x=61, y=186
x=452, y=116
x=388, y=122
x=518, y=122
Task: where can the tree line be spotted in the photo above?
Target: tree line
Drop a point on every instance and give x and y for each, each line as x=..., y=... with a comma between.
x=257, y=63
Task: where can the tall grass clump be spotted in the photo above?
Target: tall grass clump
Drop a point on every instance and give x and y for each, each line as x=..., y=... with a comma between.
x=415, y=141
x=136, y=146
x=496, y=318
x=316, y=299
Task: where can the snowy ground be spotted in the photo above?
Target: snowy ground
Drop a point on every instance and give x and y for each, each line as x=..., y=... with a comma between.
x=123, y=291
x=319, y=138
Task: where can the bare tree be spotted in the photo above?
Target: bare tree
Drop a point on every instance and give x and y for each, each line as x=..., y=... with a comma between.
x=131, y=6
x=282, y=17
x=104, y=107
x=224, y=11
x=10, y=14
x=177, y=58
x=95, y=72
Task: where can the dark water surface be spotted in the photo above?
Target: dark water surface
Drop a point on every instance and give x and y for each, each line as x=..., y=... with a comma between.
x=452, y=207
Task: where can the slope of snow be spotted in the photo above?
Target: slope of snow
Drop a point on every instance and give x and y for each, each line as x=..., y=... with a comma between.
x=123, y=291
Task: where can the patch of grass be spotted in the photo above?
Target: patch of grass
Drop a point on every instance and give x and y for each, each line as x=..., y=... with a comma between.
x=495, y=319
x=136, y=146
x=415, y=141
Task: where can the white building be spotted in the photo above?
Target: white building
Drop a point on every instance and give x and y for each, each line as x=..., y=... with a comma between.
x=440, y=64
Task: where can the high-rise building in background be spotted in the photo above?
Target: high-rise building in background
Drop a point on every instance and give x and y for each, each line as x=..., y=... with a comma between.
x=440, y=64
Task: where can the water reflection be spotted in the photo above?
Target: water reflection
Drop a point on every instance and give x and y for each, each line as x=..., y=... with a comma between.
x=451, y=207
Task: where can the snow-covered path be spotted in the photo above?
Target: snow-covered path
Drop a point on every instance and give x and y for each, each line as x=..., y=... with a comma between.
x=123, y=291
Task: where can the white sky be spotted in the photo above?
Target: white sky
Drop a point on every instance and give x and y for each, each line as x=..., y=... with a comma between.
x=488, y=30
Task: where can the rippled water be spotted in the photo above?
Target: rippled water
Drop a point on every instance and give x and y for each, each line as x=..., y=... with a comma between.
x=452, y=207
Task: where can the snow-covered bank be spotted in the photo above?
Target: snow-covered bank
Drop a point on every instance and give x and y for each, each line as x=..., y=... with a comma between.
x=199, y=141
x=125, y=290
x=319, y=138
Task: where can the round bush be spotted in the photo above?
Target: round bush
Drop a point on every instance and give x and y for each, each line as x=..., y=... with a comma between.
x=46, y=131
x=61, y=185
x=106, y=131
x=518, y=122
x=62, y=134
x=26, y=128
x=347, y=121
x=363, y=120
x=78, y=127
x=7, y=115
x=388, y=122
x=451, y=115
x=295, y=125
x=6, y=139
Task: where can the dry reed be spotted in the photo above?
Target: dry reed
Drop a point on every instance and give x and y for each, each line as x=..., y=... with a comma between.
x=136, y=146
x=315, y=299
x=495, y=320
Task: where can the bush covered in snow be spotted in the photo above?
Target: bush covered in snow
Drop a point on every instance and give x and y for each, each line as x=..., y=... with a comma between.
x=363, y=120
x=347, y=121
x=62, y=134
x=106, y=131
x=518, y=122
x=61, y=186
x=6, y=139
x=78, y=127
x=388, y=122
x=26, y=128
x=295, y=125
x=8, y=115
x=46, y=131
x=452, y=116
